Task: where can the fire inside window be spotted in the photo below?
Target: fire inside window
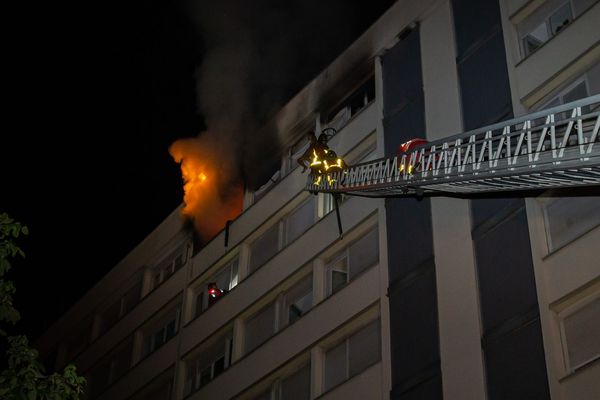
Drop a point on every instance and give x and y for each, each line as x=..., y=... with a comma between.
x=214, y=293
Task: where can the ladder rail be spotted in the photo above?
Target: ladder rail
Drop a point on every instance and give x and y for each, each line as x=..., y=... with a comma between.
x=539, y=150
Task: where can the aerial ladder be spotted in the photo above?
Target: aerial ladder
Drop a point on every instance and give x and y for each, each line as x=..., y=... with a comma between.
x=549, y=149
x=553, y=148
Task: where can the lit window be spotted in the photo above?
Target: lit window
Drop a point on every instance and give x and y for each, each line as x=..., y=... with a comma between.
x=352, y=355
x=225, y=279
x=544, y=24
x=160, y=332
x=580, y=330
x=348, y=263
x=209, y=364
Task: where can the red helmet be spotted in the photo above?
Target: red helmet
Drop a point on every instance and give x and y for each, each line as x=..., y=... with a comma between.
x=411, y=144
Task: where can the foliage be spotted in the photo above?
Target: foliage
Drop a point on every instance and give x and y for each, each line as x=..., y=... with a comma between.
x=24, y=377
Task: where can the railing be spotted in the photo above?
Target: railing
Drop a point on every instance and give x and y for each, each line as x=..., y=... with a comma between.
x=552, y=148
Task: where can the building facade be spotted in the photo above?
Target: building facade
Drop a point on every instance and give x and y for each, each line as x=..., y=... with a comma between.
x=434, y=298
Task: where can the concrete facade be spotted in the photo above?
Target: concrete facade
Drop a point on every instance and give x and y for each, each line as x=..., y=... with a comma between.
x=143, y=333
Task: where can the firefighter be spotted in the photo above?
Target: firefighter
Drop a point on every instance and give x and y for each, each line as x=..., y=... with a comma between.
x=315, y=154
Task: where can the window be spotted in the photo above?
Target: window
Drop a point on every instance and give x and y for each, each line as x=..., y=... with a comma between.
x=80, y=340
x=282, y=233
x=352, y=355
x=226, y=278
x=568, y=218
x=112, y=368
x=295, y=386
x=348, y=263
x=259, y=327
x=119, y=308
x=293, y=153
x=296, y=302
x=286, y=309
x=299, y=220
x=543, y=24
x=209, y=364
x=263, y=248
x=161, y=332
x=580, y=330
x=169, y=266
x=356, y=102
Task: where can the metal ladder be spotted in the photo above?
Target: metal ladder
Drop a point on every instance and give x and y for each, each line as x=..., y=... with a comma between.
x=553, y=148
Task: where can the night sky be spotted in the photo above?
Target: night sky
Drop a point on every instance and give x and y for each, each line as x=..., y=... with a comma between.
x=97, y=94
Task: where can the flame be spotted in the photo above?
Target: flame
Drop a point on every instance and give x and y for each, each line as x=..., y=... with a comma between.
x=212, y=195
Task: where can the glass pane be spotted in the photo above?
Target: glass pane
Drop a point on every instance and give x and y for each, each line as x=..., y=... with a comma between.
x=260, y=327
x=300, y=220
x=297, y=301
x=171, y=329
x=234, y=273
x=335, y=365
x=536, y=38
x=297, y=386
x=159, y=338
x=567, y=218
x=338, y=273
x=364, y=348
x=218, y=367
x=264, y=247
x=132, y=297
x=561, y=18
x=200, y=302
x=266, y=395
x=223, y=278
x=364, y=253
x=578, y=92
x=582, y=330
x=205, y=376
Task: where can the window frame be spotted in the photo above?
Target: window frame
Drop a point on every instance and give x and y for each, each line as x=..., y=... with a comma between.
x=561, y=317
x=152, y=330
x=345, y=253
x=200, y=365
x=201, y=291
x=548, y=14
x=281, y=225
x=376, y=323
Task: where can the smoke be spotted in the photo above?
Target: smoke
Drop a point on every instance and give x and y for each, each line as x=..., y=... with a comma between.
x=257, y=54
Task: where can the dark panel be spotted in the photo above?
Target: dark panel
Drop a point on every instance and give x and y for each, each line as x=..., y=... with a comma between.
x=484, y=85
x=406, y=124
x=414, y=327
x=474, y=20
x=410, y=243
x=516, y=368
x=504, y=266
x=489, y=210
x=431, y=389
x=402, y=79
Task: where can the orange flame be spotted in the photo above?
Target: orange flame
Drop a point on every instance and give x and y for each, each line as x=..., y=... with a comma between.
x=212, y=195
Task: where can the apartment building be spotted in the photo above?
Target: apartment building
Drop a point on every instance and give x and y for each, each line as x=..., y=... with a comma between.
x=494, y=297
